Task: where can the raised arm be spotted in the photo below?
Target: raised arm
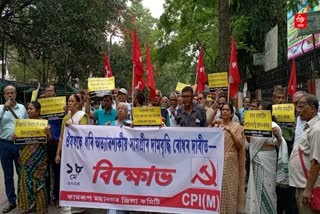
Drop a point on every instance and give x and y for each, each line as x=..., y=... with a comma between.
x=88, y=110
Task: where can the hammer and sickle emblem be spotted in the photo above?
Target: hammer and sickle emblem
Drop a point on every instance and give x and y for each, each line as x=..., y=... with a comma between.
x=209, y=179
x=108, y=71
x=138, y=85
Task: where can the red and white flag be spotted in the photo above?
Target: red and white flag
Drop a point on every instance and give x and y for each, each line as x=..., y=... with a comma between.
x=107, y=69
x=150, y=78
x=292, y=86
x=138, y=80
x=234, y=77
x=201, y=73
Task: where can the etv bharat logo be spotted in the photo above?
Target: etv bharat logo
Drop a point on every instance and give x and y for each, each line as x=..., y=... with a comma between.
x=300, y=20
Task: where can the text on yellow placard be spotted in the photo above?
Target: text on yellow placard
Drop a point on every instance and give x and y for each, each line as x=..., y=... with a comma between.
x=101, y=84
x=146, y=116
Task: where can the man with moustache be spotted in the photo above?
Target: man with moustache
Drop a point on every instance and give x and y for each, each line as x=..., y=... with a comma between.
x=9, y=152
x=309, y=148
x=190, y=114
x=52, y=145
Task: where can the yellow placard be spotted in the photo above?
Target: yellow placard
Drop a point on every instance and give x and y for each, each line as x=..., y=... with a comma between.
x=52, y=107
x=284, y=113
x=146, y=116
x=180, y=86
x=30, y=131
x=218, y=80
x=101, y=84
x=35, y=93
x=258, y=123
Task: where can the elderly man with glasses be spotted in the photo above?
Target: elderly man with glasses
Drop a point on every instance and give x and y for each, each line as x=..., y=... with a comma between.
x=304, y=163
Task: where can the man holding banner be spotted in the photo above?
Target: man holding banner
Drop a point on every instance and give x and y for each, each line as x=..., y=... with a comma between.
x=104, y=116
x=9, y=152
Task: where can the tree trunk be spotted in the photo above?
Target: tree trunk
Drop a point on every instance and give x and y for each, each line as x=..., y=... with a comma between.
x=224, y=35
x=43, y=78
x=3, y=65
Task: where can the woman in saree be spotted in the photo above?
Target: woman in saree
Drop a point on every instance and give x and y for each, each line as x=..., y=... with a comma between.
x=74, y=117
x=266, y=170
x=32, y=191
x=233, y=181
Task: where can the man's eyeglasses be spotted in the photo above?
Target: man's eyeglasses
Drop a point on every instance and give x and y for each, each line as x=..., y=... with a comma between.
x=200, y=98
x=173, y=99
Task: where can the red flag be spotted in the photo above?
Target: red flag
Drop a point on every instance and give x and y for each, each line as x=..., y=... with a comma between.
x=292, y=86
x=234, y=77
x=201, y=73
x=138, y=80
x=150, y=78
x=107, y=68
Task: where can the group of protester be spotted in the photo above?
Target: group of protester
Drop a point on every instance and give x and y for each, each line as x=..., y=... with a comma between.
x=276, y=182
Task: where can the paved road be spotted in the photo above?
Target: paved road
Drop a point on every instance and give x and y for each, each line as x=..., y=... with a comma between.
x=52, y=209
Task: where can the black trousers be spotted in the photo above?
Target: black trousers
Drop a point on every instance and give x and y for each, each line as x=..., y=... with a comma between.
x=52, y=149
x=286, y=201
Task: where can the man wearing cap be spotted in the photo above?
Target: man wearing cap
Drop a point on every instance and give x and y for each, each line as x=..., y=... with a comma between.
x=105, y=116
x=9, y=152
x=123, y=97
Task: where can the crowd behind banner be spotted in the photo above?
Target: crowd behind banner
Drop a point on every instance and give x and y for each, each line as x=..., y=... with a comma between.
x=271, y=149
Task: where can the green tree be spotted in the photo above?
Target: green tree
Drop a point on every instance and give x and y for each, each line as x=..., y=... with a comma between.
x=66, y=37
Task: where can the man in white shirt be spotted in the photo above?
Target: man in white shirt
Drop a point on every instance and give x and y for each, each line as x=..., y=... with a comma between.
x=308, y=144
x=173, y=109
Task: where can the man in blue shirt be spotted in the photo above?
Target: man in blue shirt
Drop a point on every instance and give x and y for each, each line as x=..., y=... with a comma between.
x=9, y=152
x=105, y=116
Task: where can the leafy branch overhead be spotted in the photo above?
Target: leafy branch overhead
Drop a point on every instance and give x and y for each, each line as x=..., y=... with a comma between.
x=64, y=40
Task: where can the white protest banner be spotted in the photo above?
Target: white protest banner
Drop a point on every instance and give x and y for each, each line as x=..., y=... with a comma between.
x=143, y=169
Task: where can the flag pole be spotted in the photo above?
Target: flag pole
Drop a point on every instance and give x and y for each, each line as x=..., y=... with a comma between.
x=228, y=92
x=132, y=85
x=195, y=82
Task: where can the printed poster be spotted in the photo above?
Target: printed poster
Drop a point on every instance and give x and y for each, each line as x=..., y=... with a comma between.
x=174, y=170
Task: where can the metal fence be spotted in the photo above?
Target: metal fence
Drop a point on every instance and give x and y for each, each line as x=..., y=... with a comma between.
x=307, y=68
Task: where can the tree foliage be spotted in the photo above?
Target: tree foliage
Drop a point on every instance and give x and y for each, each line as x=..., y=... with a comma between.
x=63, y=41
x=68, y=35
